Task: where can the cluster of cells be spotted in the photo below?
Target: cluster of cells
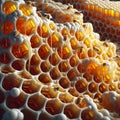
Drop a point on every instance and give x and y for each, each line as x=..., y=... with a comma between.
x=48, y=69
x=104, y=15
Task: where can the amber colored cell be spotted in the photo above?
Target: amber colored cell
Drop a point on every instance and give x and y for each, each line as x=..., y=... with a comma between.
x=64, y=52
x=87, y=114
x=87, y=42
x=71, y=111
x=26, y=9
x=30, y=87
x=79, y=35
x=20, y=50
x=91, y=53
x=5, y=43
x=73, y=92
x=54, y=59
x=81, y=86
x=49, y=92
x=2, y=96
x=35, y=41
x=74, y=61
x=82, y=53
x=16, y=102
x=53, y=107
x=44, y=78
x=28, y=114
x=74, y=43
x=103, y=87
x=35, y=60
x=54, y=40
x=65, y=98
x=5, y=57
x=36, y=102
x=65, y=32
x=33, y=69
x=25, y=26
x=7, y=27
x=87, y=76
x=55, y=73
x=91, y=67
x=112, y=87
x=98, y=96
x=10, y=81
x=44, y=51
x=81, y=103
x=92, y=87
x=72, y=74
x=52, y=26
x=64, y=82
x=7, y=69
x=25, y=74
x=45, y=66
x=18, y=65
x=64, y=66
x=43, y=30
x=8, y=7
x=82, y=67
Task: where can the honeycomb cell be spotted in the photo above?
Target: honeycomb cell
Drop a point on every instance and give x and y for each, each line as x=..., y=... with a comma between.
x=44, y=78
x=9, y=7
x=74, y=61
x=35, y=60
x=72, y=74
x=28, y=114
x=54, y=40
x=52, y=26
x=18, y=65
x=91, y=53
x=64, y=82
x=112, y=87
x=82, y=52
x=49, y=92
x=81, y=103
x=79, y=35
x=30, y=86
x=45, y=66
x=55, y=73
x=65, y=32
x=5, y=58
x=71, y=111
x=82, y=67
x=54, y=59
x=5, y=43
x=103, y=87
x=74, y=43
x=73, y=92
x=7, y=69
x=92, y=87
x=64, y=66
x=36, y=102
x=43, y=30
x=64, y=52
x=35, y=41
x=33, y=69
x=20, y=50
x=16, y=102
x=87, y=42
x=10, y=81
x=87, y=76
x=26, y=9
x=7, y=27
x=87, y=115
x=53, y=107
x=44, y=51
x=98, y=96
x=81, y=86
x=65, y=98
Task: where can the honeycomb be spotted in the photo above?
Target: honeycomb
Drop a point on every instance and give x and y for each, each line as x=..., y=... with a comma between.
x=103, y=14
x=53, y=66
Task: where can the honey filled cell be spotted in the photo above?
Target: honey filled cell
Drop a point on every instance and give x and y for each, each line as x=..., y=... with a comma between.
x=18, y=65
x=9, y=7
x=5, y=58
x=71, y=111
x=5, y=43
x=36, y=102
x=74, y=43
x=64, y=66
x=53, y=107
x=92, y=87
x=74, y=61
x=79, y=35
x=103, y=88
x=64, y=82
x=35, y=60
x=45, y=66
x=44, y=51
